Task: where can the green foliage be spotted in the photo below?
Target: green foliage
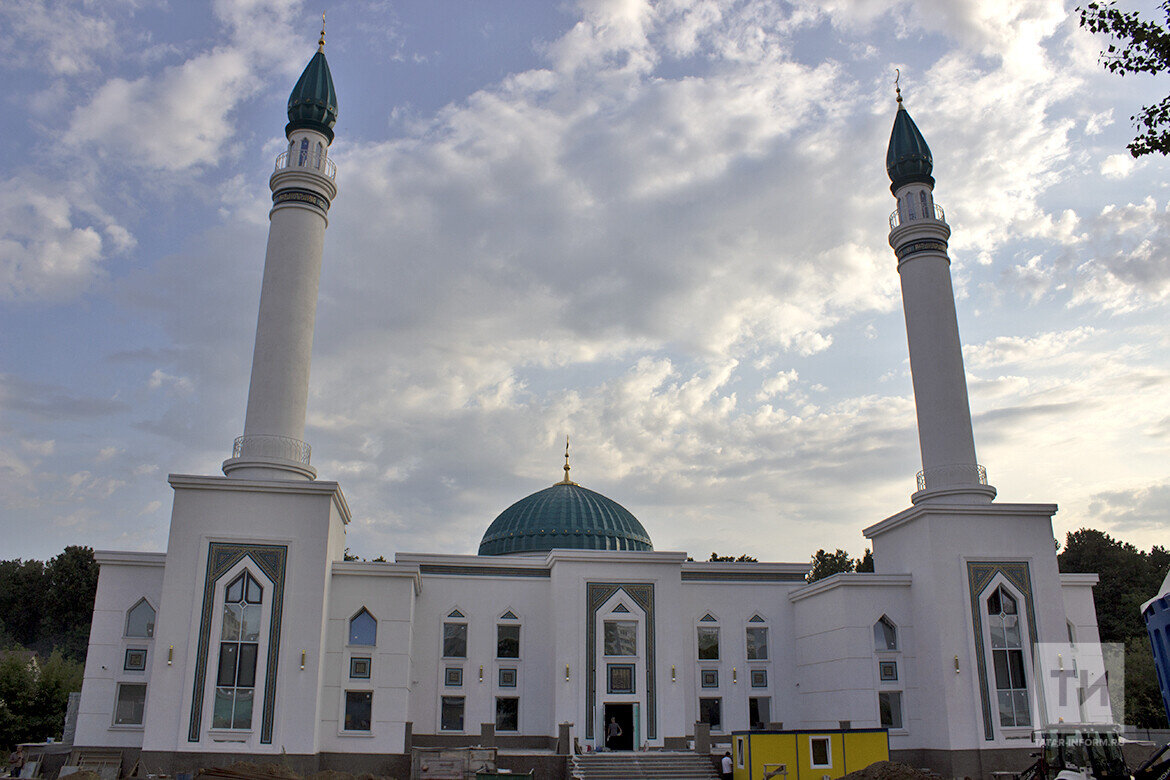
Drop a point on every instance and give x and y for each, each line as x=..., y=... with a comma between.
x=34, y=695
x=1128, y=578
x=731, y=558
x=1143, y=47
x=826, y=564
x=47, y=606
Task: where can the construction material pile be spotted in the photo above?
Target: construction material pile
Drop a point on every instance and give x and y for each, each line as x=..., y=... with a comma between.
x=243, y=770
x=890, y=770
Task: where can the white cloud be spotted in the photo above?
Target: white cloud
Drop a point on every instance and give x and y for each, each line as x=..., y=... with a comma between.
x=1117, y=166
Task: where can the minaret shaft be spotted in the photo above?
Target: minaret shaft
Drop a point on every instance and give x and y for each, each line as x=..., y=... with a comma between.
x=279, y=390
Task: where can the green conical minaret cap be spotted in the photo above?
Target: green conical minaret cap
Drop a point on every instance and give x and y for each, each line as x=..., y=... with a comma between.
x=908, y=159
x=313, y=102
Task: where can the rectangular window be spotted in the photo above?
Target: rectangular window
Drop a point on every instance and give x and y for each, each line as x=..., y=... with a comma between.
x=888, y=671
x=757, y=644
x=454, y=640
x=359, y=707
x=819, y=754
x=507, y=640
x=621, y=637
x=711, y=713
x=621, y=678
x=759, y=678
x=359, y=668
x=709, y=678
x=452, y=714
x=453, y=677
x=708, y=643
x=135, y=660
x=131, y=703
x=508, y=678
x=759, y=712
x=890, y=709
x=507, y=713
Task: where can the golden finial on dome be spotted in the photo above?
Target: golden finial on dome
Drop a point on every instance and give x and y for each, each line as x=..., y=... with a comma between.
x=897, y=89
x=321, y=40
x=566, y=480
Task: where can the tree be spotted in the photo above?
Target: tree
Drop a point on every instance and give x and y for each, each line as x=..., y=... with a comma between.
x=34, y=696
x=1143, y=47
x=865, y=562
x=731, y=558
x=826, y=564
x=70, y=585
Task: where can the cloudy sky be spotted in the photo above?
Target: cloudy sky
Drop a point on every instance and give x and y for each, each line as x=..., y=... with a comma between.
x=658, y=227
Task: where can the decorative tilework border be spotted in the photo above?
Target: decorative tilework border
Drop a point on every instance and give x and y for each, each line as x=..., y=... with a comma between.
x=596, y=594
x=221, y=557
x=979, y=576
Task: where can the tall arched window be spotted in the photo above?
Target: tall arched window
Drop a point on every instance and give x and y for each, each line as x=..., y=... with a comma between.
x=140, y=620
x=363, y=629
x=238, y=650
x=922, y=201
x=1007, y=655
x=304, y=151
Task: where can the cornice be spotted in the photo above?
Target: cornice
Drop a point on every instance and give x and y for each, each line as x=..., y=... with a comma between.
x=306, y=488
x=125, y=558
x=920, y=510
x=852, y=580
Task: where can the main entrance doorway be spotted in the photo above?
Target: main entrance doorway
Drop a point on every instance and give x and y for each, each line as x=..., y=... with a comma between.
x=623, y=715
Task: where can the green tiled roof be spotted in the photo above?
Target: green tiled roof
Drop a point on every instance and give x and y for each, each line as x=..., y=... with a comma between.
x=313, y=102
x=565, y=515
x=908, y=158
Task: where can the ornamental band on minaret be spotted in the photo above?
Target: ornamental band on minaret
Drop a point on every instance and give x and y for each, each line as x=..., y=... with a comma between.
x=303, y=188
x=918, y=235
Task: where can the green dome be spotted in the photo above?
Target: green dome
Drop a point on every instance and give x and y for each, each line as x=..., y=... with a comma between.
x=313, y=102
x=908, y=158
x=564, y=516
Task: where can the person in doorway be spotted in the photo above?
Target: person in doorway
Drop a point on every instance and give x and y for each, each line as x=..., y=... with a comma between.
x=15, y=761
x=725, y=766
x=612, y=733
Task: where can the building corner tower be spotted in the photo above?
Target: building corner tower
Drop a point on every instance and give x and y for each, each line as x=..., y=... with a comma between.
x=303, y=187
x=918, y=235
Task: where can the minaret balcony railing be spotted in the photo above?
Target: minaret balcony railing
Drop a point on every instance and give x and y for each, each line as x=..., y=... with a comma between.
x=266, y=446
x=896, y=217
x=947, y=476
x=306, y=160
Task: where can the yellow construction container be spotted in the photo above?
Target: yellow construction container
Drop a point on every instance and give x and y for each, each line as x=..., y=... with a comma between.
x=806, y=754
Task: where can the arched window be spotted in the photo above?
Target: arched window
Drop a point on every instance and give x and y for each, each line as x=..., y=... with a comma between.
x=320, y=160
x=304, y=151
x=922, y=201
x=885, y=634
x=140, y=620
x=1007, y=655
x=363, y=629
x=238, y=650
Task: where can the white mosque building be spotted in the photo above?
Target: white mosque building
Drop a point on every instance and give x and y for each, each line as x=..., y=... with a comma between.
x=251, y=635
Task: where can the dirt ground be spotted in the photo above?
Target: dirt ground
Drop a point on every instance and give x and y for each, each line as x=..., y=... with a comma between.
x=244, y=770
x=888, y=770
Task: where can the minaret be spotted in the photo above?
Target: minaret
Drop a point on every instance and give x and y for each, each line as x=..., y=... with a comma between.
x=303, y=187
x=918, y=235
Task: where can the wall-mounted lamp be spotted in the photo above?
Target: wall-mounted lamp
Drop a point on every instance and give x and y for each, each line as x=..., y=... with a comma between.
x=481, y=672
x=1060, y=658
x=672, y=673
x=302, y=660
x=566, y=672
x=956, y=664
x=171, y=655
x=734, y=675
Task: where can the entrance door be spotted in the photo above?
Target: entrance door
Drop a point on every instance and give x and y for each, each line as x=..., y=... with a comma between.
x=623, y=715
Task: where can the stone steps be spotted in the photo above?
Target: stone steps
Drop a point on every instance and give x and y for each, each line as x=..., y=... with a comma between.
x=643, y=765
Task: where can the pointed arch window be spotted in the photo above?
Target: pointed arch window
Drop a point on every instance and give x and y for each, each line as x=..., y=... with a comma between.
x=363, y=629
x=140, y=620
x=1007, y=656
x=238, y=651
x=304, y=151
x=885, y=634
x=922, y=202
